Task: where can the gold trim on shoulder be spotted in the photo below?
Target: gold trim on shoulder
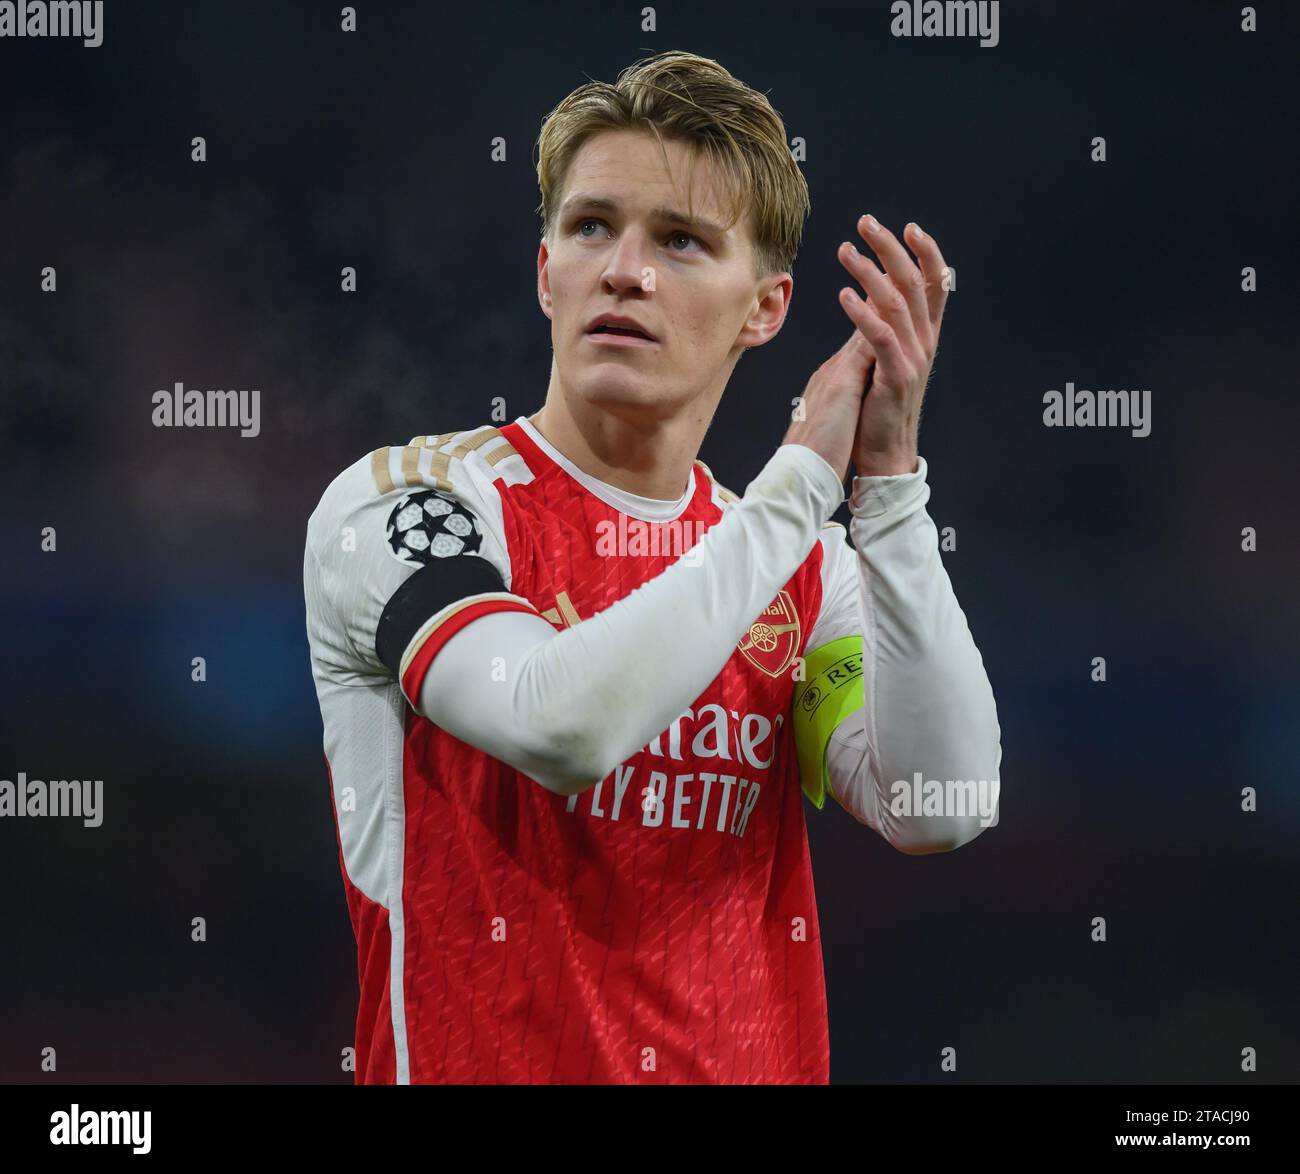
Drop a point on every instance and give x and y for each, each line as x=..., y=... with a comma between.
x=474, y=443
x=379, y=470
x=432, y=441
x=439, y=462
x=497, y=455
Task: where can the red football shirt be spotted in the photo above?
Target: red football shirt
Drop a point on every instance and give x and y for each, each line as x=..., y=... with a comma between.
x=660, y=927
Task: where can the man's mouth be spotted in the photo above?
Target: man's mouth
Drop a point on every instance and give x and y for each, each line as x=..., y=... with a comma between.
x=609, y=337
x=606, y=328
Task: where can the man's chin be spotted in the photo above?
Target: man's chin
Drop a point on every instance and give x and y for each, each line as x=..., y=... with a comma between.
x=623, y=393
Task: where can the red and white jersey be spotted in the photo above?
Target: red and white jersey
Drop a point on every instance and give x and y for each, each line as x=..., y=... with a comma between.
x=659, y=927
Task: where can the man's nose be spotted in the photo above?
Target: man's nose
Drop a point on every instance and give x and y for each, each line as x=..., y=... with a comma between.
x=630, y=264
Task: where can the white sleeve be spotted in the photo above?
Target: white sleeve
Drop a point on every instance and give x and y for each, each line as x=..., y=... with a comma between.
x=566, y=710
x=929, y=707
x=397, y=558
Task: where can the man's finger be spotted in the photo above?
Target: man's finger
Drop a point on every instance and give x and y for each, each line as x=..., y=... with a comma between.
x=888, y=300
x=888, y=349
x=902, y=271
x=935, y=269
x=858, y=341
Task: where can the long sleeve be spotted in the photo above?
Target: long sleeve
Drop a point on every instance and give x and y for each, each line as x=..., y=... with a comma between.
x=571, y=711
x=919, y=761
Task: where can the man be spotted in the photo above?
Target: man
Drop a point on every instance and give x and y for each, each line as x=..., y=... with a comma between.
x=570, y=685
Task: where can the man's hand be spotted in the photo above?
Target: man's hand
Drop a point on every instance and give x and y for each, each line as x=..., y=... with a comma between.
x=831, y=403
x=900, y=323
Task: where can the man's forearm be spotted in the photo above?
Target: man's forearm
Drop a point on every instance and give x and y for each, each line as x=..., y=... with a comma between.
x=584, y=699
x=929, y=704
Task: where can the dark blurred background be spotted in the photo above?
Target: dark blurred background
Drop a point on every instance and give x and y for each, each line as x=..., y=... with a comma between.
x=1121, y=799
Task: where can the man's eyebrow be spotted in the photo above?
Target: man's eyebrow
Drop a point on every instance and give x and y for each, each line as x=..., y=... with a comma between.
x=573, y=203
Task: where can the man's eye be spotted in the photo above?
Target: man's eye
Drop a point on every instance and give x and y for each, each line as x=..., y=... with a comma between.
x=582, y=224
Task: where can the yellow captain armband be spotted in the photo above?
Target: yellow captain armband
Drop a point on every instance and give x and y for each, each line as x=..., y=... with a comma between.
x=831, y=690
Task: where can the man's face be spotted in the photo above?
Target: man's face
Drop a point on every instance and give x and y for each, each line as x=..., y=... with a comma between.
x=622, y=245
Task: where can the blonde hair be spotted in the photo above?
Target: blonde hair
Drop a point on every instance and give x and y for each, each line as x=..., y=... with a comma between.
x=693, y=100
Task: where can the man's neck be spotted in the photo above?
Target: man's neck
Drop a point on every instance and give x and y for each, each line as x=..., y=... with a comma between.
x=651, y=459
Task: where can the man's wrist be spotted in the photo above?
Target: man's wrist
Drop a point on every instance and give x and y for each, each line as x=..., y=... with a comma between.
x=819, y=470
x=886, y=464
x=873, y=497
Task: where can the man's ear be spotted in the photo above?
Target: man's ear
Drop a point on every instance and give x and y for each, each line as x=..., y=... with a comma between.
x=543, y=278
x=769, y=314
